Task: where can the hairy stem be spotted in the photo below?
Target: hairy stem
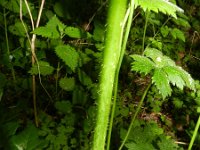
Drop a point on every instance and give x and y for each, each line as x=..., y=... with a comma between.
x=116, y=14
x=130, y=12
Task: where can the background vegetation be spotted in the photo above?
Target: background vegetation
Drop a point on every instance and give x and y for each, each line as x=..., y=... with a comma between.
x=48, y=93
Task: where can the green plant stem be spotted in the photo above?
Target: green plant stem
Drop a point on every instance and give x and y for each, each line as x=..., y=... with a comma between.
x=7, y=46
x=145, y=29
x=194, y=134
x=125, y=39
x=135, y=115
x=116, y=13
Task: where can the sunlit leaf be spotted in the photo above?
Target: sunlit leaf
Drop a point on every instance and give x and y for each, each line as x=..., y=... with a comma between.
x=142, y=64
x=163, y=6
x=174, y=77
x=162, y=83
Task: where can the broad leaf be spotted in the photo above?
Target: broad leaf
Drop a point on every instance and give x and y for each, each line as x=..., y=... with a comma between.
x=162, y=83
x=142, y=64
x=67, y=84
x=54, y=29
x=69, y=55
x=42, y=67
x=163, y=6
x=174, y=77
x=76, y=33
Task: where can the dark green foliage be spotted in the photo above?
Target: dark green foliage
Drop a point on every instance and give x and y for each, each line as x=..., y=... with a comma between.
x=68, y=64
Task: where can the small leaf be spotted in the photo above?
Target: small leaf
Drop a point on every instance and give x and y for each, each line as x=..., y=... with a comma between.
x=53, y=29
x=76, y=33
x=67, y=84
x=178, y=34
x=69, y=55
x=42, y=67
x=142, y=64
x=162, y=83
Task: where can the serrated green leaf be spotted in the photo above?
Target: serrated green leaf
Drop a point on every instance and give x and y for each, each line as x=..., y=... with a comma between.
x=163, y=6
x=174, y=77
x=187, y=78
x=178, y=34
x=142, y=64
x=53, y=29
x=162, y=83
x=52, y=32
x=152, y=53
x=76, y=33
x=69, y=55
x=67, y=84
x=42, y=67
x=158, y=57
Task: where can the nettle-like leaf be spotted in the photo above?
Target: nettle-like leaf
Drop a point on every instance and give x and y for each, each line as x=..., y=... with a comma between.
x=163, y=6
x=67, y=84
x=164, y=71
x=76, y=33
x=142, y=64
x=41, y=67
x=69, y=55
x=54, y=29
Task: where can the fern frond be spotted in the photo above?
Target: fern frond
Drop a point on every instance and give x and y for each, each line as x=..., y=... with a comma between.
x=163, y=6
